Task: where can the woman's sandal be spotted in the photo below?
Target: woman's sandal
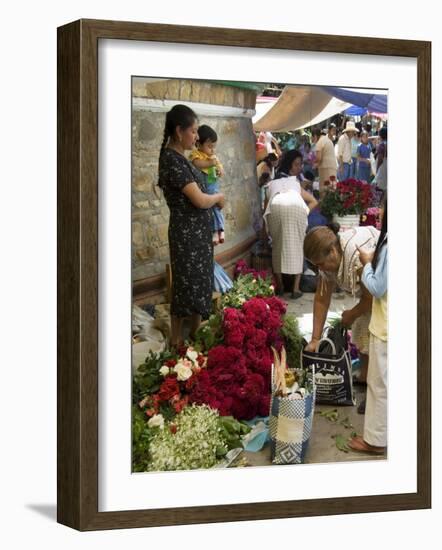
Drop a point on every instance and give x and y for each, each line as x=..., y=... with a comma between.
x=359, y=445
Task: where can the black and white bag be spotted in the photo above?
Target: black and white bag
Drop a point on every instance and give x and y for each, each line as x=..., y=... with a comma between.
x=332, y=367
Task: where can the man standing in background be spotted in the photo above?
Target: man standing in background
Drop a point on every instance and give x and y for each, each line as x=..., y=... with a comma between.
x=325, y=155
x=344, y=151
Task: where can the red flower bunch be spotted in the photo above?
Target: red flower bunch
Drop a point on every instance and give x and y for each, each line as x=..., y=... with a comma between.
x=229, y=386
x=216, y=387
x=169, y=388
x=233, y=325
x=265, y=314
x=241, y=268
x=237, y=378
x=177, y=381
x=351, y=196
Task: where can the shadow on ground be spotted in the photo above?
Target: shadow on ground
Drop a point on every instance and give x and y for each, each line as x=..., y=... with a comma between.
x=47, y=510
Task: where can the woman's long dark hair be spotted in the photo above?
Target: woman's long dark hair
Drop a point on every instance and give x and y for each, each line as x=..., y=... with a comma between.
x=287, y=160
x=179, y=115
x=382, y=238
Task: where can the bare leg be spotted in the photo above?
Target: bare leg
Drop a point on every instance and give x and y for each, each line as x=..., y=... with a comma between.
x=296, y=292
x=176, y=326
x=280, y=286
x=195, y=321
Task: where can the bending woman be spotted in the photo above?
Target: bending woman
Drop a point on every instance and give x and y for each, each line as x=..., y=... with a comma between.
x=336, y=257
x=190, y=223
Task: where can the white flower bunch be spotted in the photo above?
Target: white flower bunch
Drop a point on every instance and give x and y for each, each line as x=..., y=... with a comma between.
x=157, y=421
x=192, y=444
x=185, y=366
x=183, y=369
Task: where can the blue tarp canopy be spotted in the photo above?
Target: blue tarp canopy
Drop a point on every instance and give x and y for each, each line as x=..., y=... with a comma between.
x=370, y=101
x=356, y=111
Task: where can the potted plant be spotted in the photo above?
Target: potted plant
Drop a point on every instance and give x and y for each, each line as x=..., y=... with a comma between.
x=345, y=201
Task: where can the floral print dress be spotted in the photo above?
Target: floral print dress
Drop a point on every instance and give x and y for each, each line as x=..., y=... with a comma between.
x=190, y=237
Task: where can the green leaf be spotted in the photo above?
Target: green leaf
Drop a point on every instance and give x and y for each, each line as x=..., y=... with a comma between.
x=148, y=379
x=221, y=451
x=331, y=415
x=246, y=287
x=341, y=443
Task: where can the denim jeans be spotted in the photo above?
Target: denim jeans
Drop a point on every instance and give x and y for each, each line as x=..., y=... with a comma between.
x=345, y=171
x=218, y=216
x=354, y=166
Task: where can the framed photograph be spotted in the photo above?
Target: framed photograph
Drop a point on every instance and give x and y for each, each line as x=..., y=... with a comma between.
x=127, y=382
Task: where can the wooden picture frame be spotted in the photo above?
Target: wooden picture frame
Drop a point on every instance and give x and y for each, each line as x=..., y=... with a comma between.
x=77, y=386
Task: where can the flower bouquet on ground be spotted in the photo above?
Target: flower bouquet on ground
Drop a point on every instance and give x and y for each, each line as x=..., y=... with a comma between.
x=241, y=268
x=236, y=381
x=248, y=286
x=165, y=389
x=196, y=438
x=226, y=375
x=291, y=411
x=351, y=197
x=192, y=441
x=162, y=384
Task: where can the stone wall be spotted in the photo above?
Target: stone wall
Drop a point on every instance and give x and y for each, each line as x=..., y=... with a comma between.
x=235, y=149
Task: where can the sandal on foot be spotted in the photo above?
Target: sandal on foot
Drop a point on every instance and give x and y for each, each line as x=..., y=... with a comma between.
x=361, y=446
x=296, y=294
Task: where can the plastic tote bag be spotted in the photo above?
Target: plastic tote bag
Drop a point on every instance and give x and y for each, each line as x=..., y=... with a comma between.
x=290, y=424
x=332, y=366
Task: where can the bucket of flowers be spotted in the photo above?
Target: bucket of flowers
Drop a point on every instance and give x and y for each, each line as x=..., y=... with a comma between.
x=345, y=202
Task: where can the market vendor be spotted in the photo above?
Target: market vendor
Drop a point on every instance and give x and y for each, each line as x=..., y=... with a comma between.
x=336, y=258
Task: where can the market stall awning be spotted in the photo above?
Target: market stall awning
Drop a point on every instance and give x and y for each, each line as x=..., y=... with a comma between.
x=372, y=100
x=303, y=106
x=298, y=107
x=362, y=111
x=263, y=105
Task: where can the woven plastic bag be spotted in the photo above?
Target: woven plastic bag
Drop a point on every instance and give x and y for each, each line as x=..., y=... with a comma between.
x=290, y=423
